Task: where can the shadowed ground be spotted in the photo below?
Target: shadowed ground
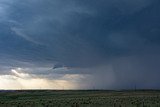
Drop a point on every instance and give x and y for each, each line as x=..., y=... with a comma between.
x=80, y=98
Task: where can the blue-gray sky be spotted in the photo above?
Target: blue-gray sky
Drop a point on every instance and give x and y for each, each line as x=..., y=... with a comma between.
x=109, y=44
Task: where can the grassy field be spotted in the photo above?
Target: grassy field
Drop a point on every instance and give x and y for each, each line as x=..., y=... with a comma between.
x=88, y=98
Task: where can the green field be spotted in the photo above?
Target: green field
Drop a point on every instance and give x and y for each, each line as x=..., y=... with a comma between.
x=87, y=98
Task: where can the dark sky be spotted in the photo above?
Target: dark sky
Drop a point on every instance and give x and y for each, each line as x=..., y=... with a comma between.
x=109, y=44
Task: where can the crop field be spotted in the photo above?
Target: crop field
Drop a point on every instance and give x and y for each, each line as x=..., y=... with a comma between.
x=87, y=98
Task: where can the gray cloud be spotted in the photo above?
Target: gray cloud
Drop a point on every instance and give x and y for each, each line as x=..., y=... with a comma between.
x=111, y=44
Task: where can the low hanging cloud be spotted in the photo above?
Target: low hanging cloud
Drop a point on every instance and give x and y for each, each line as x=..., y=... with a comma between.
x=100, y=44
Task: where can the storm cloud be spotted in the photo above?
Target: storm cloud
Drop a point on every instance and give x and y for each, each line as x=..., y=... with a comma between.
x=111, y=44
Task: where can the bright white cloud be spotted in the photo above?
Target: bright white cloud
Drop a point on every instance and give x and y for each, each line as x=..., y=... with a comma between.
x=18, y=79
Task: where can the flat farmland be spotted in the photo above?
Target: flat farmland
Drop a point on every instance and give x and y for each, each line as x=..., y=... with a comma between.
x=80, y=98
